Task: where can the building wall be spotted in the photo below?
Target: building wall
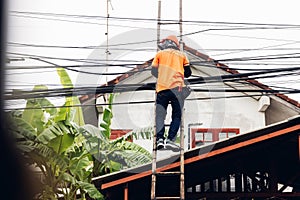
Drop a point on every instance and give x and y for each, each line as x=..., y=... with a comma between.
x=206, y=109
x=134, y=115
x=239, y=113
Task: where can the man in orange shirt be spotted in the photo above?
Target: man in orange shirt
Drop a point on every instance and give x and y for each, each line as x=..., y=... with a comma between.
x=169, y=66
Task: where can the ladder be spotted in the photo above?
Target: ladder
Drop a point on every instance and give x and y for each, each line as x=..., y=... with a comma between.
x=180, y=173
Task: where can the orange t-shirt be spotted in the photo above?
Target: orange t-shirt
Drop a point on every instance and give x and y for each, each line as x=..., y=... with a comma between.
x=170, y=63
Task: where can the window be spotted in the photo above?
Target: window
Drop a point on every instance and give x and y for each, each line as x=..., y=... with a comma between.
x=200, y=136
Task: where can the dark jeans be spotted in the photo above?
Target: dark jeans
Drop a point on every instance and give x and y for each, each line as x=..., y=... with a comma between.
x=163, y=98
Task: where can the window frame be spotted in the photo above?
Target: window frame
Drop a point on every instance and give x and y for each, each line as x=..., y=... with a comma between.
x=215, y=134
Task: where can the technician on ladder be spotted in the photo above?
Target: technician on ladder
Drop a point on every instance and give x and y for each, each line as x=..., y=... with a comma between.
x=170, y=66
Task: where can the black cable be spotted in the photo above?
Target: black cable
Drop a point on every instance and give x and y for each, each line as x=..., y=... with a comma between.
x=233, y=50
x=130, y=65
x=150, y=19
x=152, y=101
x=278, y=26
x=92, y=61
x=77, y=47
x=240, y=75
x=136, y=87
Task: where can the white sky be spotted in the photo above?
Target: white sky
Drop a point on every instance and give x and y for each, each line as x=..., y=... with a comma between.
x=67, y=31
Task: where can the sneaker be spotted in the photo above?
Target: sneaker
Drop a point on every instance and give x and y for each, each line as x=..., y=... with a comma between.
x=170, y=144
x=160, y=144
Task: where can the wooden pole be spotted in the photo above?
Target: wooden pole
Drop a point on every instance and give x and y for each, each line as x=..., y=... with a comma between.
x=154, y=151
x=180, y=25
x=158, y=23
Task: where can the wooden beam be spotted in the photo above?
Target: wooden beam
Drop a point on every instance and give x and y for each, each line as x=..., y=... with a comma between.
x=238, y=182
x=126, y=192
x=273, y=176
x=228, y=184
x=299, y=146
x=126, y=179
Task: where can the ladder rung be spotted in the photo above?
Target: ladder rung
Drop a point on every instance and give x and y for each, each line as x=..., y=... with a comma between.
x=168, y=197
x=168, y=173
x=166, y=23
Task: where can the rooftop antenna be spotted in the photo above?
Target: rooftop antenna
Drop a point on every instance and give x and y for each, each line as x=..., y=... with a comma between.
x=108, y=2
x=180, y=26
x=107, y=52
x=158, y=23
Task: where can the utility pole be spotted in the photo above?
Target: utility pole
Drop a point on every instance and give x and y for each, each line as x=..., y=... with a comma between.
x=158, y=23
x=180, y=26
x=107, y=39
x=106, y=51
x=154, y=152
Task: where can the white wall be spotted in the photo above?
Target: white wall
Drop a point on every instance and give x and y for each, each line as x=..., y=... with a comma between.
x=239, y=113
x=133, y=116
x=212, y=109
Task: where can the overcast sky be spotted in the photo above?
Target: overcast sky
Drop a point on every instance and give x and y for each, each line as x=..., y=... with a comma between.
x=224, y=30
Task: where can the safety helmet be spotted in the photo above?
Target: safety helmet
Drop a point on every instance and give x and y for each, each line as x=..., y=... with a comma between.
x=169, y=42
x=174, y=39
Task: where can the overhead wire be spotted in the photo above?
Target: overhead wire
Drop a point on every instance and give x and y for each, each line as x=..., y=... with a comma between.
x=77, y=47
x=233, y=60
x=81, y=60
x=147, y=86
x=72, y=21
x=152, y=101
x=150, y=19
x=259, y=26
x=140, y=62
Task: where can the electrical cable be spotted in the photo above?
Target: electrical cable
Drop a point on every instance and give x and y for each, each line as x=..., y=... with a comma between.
x=149, y=101
x=77, y=47
x=93, y=61
x=149, y=19
x=138, y=87
x=202, y=63
x=264, y=74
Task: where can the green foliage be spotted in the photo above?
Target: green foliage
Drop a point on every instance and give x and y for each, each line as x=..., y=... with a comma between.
x=35, y=114
x=107, y=116
x=141, y=133
x=49, y=139
x=56, y=154
x=112, y=155
x=67, y=152
x=76, y=114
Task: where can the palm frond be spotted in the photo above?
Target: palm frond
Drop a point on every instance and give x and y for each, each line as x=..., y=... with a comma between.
x=20, y=128
x=141, y=133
